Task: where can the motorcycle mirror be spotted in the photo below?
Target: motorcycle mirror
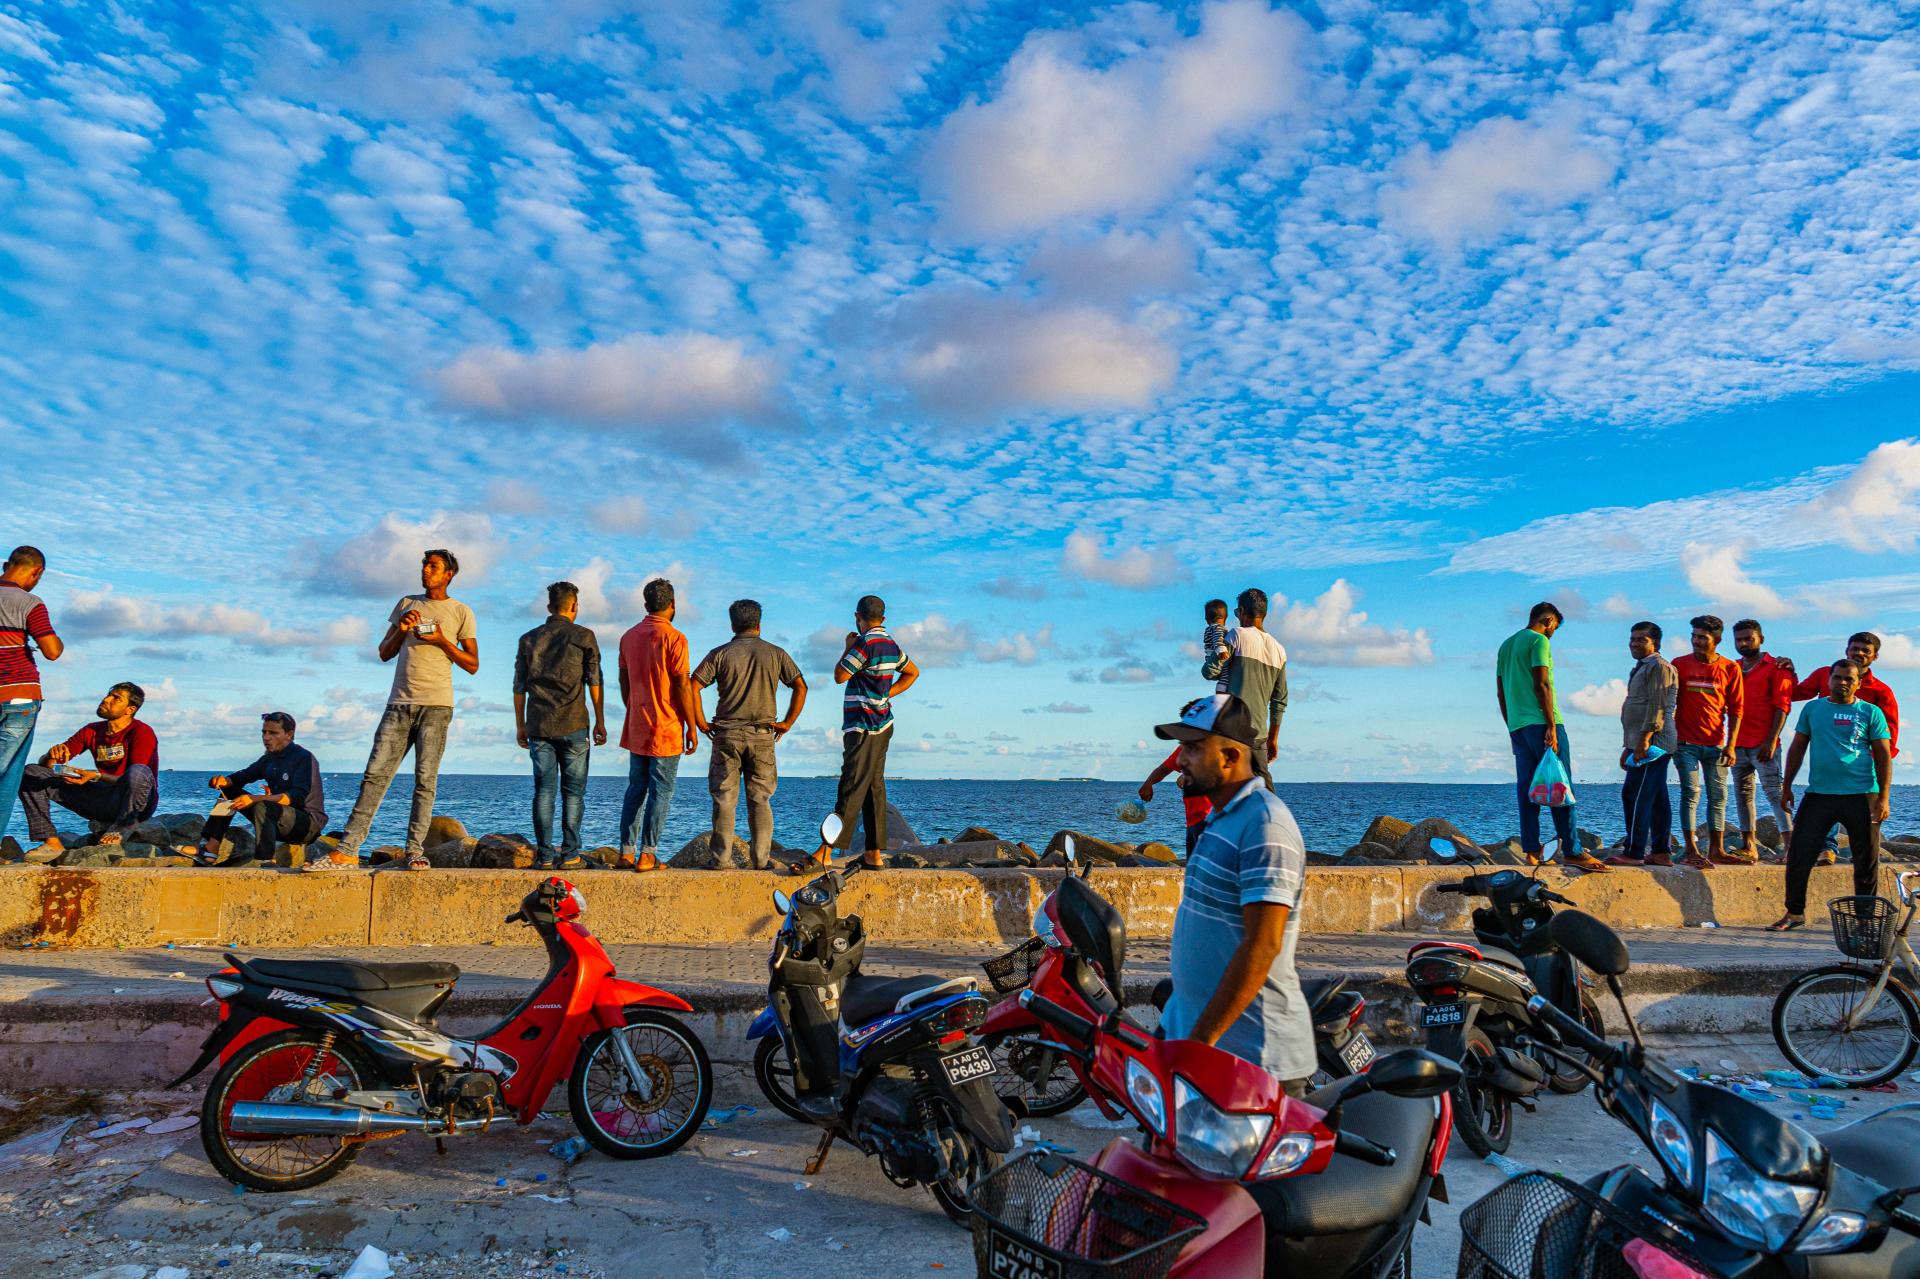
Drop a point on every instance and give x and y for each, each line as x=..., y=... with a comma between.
x=782, y=902
x=1589, y=941
x=830, y=828
x=1443, y=848
x=1413, y=1072
x=1066, y=849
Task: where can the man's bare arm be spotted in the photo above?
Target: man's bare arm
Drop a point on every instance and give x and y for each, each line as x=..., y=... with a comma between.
x=908, y=674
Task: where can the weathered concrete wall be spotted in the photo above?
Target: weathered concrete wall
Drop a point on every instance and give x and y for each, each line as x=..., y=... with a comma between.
x=263, y=908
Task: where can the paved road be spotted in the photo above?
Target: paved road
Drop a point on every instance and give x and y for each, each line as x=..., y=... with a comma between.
x=710, y=1210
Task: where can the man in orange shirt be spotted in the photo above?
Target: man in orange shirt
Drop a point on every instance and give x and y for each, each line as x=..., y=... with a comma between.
x=659, y=725
x=1707, y=718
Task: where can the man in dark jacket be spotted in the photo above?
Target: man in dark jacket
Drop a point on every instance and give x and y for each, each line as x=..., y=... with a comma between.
x=293, y=808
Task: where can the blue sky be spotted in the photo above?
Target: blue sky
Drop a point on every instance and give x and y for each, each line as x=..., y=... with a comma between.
x=1047, y=323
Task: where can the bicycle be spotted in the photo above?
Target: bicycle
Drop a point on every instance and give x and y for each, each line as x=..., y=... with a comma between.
x=1856, y=1022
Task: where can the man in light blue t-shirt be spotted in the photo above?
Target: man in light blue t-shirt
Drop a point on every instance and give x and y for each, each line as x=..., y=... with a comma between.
x=1234, y=984
x=1850, y=783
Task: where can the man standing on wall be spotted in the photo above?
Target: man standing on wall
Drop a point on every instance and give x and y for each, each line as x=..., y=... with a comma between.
x=660, y=724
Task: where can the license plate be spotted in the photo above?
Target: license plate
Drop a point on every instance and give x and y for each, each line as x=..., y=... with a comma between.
x=965, y=1067
x=1012, y=1259
x=1443, y=1014
x=1357, y=1052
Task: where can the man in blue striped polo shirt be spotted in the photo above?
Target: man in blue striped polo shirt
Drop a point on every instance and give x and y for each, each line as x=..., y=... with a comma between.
x=1234, y=985
x=875, y=672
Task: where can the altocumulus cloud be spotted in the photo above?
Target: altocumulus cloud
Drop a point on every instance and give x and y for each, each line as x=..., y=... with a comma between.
x=1495, y=171
x=386, y=558
x=677, y=387
x=1134, y=568
x=1064, y=138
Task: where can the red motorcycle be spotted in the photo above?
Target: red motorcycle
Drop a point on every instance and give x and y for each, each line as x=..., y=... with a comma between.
x=1311, y=1187
x=319, y=1057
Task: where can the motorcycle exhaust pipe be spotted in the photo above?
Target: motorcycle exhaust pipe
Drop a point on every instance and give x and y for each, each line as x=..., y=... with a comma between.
x=335, y=1121
x=1514, y=1073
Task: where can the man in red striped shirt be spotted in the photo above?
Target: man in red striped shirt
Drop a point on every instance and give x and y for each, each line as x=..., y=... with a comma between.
x=24, y=626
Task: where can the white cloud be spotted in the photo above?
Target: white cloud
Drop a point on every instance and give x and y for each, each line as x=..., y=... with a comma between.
x=977, y=355
x=516, y=497
x=1897, y=653
x=1714, y=570
x=1489, y=175
x=1602, y=700
x=1332, y=632
x=1873, y=508
x=1061, y=708
x=679, y=387
x=385, y=560
x=1066, y=139
x=1115, y=268
x=626, y=514
x=104, y=613
x=1135, y=568
x=602, y=601
x=1619, y=607
x=937, y=641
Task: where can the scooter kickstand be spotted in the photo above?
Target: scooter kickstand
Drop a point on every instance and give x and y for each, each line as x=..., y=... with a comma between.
x=440, y=1145
x=820, y=1156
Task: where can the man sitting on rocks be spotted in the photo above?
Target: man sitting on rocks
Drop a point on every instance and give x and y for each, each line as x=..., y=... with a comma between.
x=122, y=789
x=292, y=809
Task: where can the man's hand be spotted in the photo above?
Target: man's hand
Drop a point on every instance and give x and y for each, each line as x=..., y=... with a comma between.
x=242, y=802
x=691, y=739
x=1726, y=756
x=81, y=776
x=410, y=619
x=1273, y=743
x=1786, y=797
x=1785, y=664
x=520, y=735
x=217, y=783
x=1882, y=807
x=853, y=641
x=1146, y=792
x=1768, y=750
x=1551, y=742
x=600, y=733
x=781, y=727
x=58, y=753
x=1627, y=757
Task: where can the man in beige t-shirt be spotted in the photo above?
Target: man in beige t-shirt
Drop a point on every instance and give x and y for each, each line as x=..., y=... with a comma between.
x=430, y=634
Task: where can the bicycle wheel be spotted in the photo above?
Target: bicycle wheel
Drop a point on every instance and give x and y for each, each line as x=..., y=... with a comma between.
x=1809, y=1024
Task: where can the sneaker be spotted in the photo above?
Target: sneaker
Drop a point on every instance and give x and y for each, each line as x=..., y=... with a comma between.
x=335, y=860
x=628, y=859
x=544, y=859
x=418, y=861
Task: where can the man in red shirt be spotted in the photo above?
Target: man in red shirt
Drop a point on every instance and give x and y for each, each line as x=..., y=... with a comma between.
x=659, y=726
x=1862, y=648
x=122, y=789
x=1768, y=695
x=1707, y=719
x=1198, y=807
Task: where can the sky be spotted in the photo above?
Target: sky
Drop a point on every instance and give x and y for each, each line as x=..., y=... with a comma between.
x=1045, y=322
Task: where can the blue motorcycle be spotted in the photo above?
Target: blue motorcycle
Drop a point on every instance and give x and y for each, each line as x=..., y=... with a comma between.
x=888, y=1064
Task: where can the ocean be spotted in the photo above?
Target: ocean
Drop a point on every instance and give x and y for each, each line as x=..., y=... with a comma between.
x=1332, y=815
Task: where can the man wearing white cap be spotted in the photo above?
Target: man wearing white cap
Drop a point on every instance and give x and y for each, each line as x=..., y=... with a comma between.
x=1234, y=984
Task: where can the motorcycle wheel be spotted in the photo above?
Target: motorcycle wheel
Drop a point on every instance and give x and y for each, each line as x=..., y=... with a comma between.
x=1058, y=1093
x=619, y=1121
x=773, y=1071
x=1567, y=1080
x=275, y=1064
x=955, y=1193
x=1482, y=1114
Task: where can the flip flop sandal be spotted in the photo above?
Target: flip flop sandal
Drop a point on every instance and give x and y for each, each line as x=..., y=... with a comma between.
x=205, y=856
x=812, y=866
x=1786, y=924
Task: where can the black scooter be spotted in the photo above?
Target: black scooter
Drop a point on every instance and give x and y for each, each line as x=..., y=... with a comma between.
x=1742, y=1192
x=1475, y=1003
x=888, y=1064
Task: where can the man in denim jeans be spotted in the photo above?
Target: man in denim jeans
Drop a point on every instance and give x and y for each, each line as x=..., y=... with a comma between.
x=24, y=626
x=431, y=633
x=1707, y=719
x=556, y=669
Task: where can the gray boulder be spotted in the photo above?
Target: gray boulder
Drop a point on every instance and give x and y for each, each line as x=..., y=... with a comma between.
x=1418, y=843
x=1368, y=853
x=1092, y=847
x=450, y=854
x=1386, y=830
x=973, y=835
x=698, y=853
x=502, y=852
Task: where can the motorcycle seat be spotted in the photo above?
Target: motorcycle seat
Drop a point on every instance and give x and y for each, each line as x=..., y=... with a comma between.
x=868, y=999
x=1498, y=955
x=339, y=974
x=1321, y=991
x=1884, y=1146
x=1350, y=1195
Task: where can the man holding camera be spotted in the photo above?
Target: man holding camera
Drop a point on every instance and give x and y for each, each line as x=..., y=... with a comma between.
x=430, y=633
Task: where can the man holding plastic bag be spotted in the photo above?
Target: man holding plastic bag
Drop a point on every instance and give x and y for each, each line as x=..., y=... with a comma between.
x=1542, y=760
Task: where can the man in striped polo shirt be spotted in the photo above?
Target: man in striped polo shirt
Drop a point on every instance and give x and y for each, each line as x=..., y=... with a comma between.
x=875, y=672
x=23, y=622
x=1234, y=984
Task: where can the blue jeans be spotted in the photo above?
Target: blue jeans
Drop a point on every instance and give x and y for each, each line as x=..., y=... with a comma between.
x=1649, y=808
x=1693, y=761
x=16, y=743
x=643, y=813
x=1529, y=747
x=559, y=762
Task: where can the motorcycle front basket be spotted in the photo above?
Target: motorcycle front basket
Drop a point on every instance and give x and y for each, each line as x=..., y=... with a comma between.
x=1076, y=1221
x=1542, y=1226
x=1014, y=970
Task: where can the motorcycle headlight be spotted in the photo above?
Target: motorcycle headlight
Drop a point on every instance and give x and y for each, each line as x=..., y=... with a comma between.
x=1837, y=1230
x=1673, y=1143
x=1144, y=1090
x=1754, y=1209
x=1211, y=1139
x=579, y=899
x=1287, y=1154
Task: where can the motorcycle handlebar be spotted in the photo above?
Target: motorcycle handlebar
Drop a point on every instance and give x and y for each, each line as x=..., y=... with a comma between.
x=1355, y=1146
x=1065, y=1020
x=1549, y=895
x=1450, y=888
x=518, y=917
x=1568, y=1027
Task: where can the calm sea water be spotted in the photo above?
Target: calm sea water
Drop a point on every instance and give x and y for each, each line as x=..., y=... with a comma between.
x=1332, y=815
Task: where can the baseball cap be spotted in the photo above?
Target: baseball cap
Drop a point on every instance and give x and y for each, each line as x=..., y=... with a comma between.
x=1215, y=715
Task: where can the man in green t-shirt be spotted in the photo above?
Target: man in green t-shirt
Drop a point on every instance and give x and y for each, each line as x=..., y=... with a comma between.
x=1523, y=681
x=1850, y=783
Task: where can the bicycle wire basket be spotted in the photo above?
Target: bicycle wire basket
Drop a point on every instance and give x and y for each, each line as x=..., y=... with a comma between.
x=1863, y=927
x=1014, y=970
x=1542, y=1226
x=1047, y=1214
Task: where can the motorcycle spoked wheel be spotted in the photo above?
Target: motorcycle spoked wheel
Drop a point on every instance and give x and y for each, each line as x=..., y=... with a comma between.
x=773, y=1071
x=1565, y=1079
x=624, y=1122
x=1482, y=1114
x=954, y=1192
x=1058, y=1093
x=271, y=1068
